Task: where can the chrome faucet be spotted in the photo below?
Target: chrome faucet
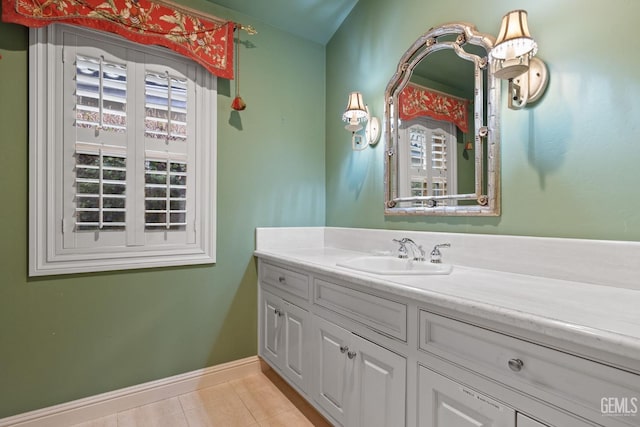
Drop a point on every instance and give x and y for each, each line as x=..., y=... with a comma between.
x=416, y=250
x=436, y=255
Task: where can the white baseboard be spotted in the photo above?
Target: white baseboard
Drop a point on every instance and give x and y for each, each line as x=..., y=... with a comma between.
x=101, y=405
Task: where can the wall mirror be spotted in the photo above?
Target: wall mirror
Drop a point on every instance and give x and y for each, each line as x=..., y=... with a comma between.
x=441, y=136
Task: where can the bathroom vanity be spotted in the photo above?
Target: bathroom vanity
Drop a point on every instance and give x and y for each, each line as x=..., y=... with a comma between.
x=489, y=344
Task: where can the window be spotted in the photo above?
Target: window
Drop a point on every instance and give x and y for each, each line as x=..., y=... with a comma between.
x=426, y=165
x=122, y=155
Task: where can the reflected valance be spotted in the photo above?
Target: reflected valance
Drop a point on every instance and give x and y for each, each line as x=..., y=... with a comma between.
x=416, y=101
x=207, y=41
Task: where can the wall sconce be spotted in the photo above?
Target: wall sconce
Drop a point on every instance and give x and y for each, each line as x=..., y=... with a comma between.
x=356, y=113
x=513, y=59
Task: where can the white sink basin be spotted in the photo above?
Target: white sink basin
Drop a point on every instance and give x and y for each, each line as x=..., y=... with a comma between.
x=388, y=265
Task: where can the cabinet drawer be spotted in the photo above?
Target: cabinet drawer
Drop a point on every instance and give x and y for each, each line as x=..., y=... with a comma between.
x=388, y=317
x=443, y=402
x=567, y=381
x=287, y=280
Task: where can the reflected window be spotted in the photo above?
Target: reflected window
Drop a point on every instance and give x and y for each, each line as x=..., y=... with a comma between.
x=425, y=161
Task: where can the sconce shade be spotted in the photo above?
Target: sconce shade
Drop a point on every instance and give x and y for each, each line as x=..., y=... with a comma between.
x=514, y=39
x=356, y=110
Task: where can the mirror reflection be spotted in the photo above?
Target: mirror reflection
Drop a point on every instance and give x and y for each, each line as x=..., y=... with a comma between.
x=440, y=127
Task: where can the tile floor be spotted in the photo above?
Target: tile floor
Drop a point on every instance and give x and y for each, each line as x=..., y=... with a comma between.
x=260, y=400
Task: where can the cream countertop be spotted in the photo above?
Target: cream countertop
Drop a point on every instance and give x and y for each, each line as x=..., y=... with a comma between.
x=599, y=317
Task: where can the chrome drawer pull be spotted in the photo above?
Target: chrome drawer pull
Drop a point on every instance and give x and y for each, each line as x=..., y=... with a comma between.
x=516, y=365
x=282, y=279
x=351, y=354
x=344, y=349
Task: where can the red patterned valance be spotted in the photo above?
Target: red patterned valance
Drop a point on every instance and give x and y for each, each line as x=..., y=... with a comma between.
x=418, y=101
x=208, y=42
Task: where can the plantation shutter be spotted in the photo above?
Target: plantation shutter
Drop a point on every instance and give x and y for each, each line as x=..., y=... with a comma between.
x=130, y=179
x=438, y=164
x=428, y=163
x=101, y=186
x=169, y=152
x=165, y=190
x=122, y=155
x=165, y=107
x=97, y=187
x=101, y=91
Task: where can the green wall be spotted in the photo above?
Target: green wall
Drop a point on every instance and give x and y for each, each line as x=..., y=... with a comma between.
x=569, y=170
x=68, y=337
x=569, y=163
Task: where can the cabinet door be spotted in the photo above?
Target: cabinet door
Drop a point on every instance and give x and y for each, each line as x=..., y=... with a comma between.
x=271, y=325
x=333, y=376
x=445, y=403
x=296, y=354
x=524, y=421
x=378, y=398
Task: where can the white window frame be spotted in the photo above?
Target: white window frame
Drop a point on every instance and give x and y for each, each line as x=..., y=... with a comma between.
x=47, y=252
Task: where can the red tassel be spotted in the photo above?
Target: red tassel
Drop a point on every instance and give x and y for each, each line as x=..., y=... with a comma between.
x=238, y=104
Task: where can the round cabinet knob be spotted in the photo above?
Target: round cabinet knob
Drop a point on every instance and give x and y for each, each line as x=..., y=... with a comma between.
x=344, y=349
x=278, y=312
x=516, y=365
x=351, y=354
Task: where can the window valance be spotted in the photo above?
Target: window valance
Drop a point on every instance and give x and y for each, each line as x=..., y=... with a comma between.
x=207, y=41
x=416, y=101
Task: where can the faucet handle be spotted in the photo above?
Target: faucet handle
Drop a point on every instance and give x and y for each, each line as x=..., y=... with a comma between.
x=442, y=245
x=436, y=255
x=402, y=250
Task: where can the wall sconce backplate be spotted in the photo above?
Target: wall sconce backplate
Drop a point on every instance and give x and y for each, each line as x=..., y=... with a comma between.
x=536, y=79
x=372, y=130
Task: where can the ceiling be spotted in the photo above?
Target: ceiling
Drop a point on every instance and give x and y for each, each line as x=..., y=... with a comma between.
x=315, y=20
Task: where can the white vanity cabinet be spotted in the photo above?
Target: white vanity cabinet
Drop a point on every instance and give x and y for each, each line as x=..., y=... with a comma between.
x=369, y=356
x=285, y=335
x=355, y=380
x=284, y=324
x=351, y=379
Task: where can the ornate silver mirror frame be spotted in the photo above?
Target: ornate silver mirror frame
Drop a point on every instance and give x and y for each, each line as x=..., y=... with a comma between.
x=485, y=199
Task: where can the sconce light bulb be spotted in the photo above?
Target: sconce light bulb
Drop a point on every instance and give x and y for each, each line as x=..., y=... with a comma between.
x=510, y=68
x=353, y=127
